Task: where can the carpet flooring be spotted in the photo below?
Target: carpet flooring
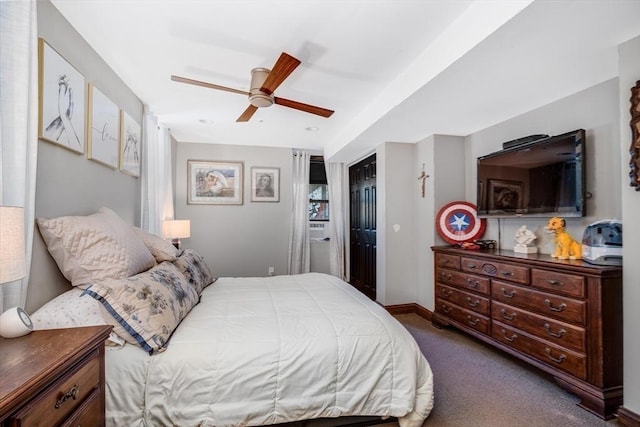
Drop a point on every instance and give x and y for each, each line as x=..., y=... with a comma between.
x=476, y=385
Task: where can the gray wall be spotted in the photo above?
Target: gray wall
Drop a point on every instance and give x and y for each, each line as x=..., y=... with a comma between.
x=69, y=183
x=629, y=75
x=238, y=240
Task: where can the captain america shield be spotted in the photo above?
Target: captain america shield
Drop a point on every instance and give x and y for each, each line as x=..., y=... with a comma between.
x=457, y=222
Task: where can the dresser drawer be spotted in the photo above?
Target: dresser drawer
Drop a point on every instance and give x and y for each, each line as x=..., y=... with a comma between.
x=514, y=273
x=448, y=261
x=558, y=357
x=466, y=317
x=63, y=397
x=463, y=280
x=567, y=284
x=89, y=414
x=464, y=299
x=560, y=333
x=561, y=308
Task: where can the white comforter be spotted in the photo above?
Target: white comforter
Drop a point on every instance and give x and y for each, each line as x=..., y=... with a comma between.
x=259, y=351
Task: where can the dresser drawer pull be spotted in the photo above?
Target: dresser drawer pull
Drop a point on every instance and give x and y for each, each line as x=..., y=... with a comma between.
x=473, y=283
x=446, y=292
x=558, y=334
x=512, y=338
x=554, y=282
x=507, y=273
x=446, y=309
x=71, y=394
x=507, y=316
x=473, y=322
x=552, y=308
x=444, y=261
x=472, y=303
x=446, y=276
x=558, y=359
x=472, y=266
x=508, y=294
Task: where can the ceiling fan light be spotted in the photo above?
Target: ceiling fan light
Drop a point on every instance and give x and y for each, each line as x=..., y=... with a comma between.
x=260, y=100
x=257, y=98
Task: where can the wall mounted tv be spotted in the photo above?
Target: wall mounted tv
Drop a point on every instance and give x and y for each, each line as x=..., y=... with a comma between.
x=541, y=178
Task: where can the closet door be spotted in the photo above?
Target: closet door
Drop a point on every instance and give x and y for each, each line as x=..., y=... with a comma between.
x=362, y=206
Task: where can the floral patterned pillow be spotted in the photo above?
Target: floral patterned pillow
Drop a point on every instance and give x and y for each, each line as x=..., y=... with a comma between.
x=195, y=269
x=146, y=308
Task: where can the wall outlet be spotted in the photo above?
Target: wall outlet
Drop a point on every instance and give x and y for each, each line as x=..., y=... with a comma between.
x=271, y=271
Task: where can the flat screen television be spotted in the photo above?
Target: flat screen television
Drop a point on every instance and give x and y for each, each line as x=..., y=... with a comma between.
x=541, y=178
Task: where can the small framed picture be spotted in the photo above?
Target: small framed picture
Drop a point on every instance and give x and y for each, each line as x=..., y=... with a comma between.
x=214, y=182
x=505, y=195
x=104, y=133
x=265, y=184
x=130, y=145
x=62, y=100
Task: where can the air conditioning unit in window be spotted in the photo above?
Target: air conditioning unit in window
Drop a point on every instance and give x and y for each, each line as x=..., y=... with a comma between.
x=318, y=230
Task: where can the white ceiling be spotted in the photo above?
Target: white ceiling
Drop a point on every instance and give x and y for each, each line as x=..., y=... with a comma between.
x=393, y=70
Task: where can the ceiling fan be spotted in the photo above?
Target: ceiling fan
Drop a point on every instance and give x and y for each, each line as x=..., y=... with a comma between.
x=263, y=83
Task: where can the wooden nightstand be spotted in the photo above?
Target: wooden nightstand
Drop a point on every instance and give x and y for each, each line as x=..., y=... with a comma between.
x=53, y=377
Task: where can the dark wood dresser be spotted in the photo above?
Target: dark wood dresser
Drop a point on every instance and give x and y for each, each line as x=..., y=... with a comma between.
x=562, y=316
x=53, y=378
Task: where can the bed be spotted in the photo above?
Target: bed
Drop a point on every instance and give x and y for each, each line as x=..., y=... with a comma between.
x=191, y=350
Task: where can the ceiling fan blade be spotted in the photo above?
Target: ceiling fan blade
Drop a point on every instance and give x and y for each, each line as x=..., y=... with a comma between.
x=247, y=114
x=319, y=111
x=209, y=85
x=280, y=71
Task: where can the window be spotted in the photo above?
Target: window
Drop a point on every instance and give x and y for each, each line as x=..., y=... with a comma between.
x=318, y=190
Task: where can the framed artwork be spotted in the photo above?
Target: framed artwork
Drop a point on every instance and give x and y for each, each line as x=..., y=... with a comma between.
x=214, y=182
x=130, y=144
x=104, y=133
x=265, y=184
x=634, y=149
x=62, y=100
x=505, y=195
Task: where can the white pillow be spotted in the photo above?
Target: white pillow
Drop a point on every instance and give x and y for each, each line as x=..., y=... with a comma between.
x=161, y=249
x=72, y=310
x=94, y=247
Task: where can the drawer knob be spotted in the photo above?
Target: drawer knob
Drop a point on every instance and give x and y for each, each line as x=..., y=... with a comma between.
x=507, y=316
x=558, y=334
x=472, y=303
x=71, y=394
x=445, y=309
x=508, y=294
x=473, y=283
x=558, y=359
x=446, y=276
x=446, y=292
x=555, y=282
x=473, y=322
x=512, y=338
x=552, y=308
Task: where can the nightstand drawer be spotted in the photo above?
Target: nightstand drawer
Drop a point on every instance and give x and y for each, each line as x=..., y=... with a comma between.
x=63, y=397
x=89, y=414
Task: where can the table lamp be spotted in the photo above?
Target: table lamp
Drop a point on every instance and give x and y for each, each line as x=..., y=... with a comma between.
x=175, y=230
x=14, y=322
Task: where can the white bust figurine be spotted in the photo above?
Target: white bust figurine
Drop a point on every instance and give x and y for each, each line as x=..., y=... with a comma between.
x=524, y=239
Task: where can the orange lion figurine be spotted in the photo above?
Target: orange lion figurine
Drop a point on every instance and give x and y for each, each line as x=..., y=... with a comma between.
x=566, y=246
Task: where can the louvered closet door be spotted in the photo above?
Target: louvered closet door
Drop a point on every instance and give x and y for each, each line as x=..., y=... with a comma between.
x=362, y=200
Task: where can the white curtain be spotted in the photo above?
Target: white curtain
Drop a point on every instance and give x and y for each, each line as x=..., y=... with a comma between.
x=18, y=125
x=299, y=248
x=157, y=188
x=337, y=218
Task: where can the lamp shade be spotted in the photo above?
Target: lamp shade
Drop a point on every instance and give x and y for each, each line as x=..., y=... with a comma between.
x=12, y=256
x=176, y=229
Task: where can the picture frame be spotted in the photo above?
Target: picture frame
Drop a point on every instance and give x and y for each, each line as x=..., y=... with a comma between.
x=634, y=148
x=265, y=184
x=504, y=195
x=214, y=182
x=104, y=129
x=130, y=145
x=61, y=100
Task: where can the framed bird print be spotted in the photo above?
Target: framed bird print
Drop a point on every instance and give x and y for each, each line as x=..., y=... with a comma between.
x=214, y=183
